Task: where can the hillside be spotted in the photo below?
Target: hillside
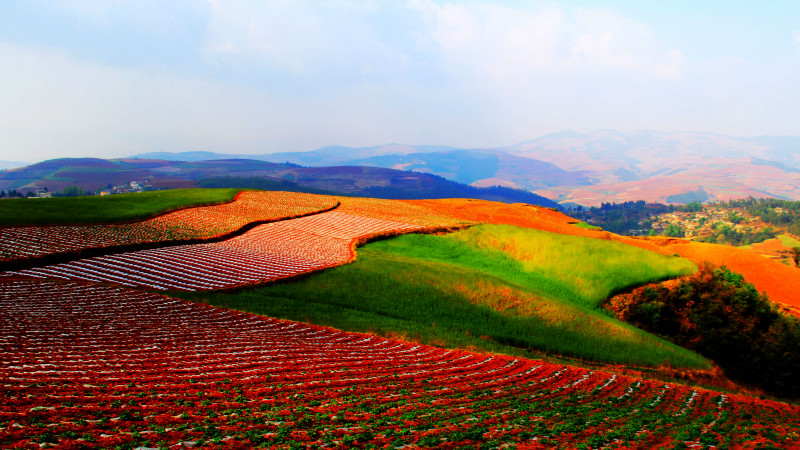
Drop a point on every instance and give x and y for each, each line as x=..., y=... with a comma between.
x=104, y=363
x=590, y=168
x=457, y=291
x=651, y=165
x=132, y=369
x=93, y=174
x=475, y=167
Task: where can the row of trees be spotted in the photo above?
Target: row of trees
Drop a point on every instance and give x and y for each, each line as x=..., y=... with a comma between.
x=770, y=210
x=623, y=217
x=70, y=191
x=14, y=194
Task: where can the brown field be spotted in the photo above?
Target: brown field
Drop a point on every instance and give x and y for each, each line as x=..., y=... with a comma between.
x=773, y=249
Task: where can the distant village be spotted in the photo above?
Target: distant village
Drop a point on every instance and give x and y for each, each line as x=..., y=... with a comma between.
x=133, y=186
x=707, y=222
x=74, y=191
x=724, y=223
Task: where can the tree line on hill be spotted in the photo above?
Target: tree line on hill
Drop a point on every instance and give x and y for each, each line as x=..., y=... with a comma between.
x=622, y=218
x=716, y=313
x=782, y=213
x=633, y=217
x=69, y=191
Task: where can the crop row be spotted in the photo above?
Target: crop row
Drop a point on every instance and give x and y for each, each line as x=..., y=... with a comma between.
x=190, y=223
x=87, y=364
x=400, y=211
x=267, y=252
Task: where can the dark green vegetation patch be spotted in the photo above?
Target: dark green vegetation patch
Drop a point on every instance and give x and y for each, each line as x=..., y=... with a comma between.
x=720, y=316
x=106, y=209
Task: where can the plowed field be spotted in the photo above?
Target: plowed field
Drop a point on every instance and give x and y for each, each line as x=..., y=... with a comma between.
x=91, y=365
x=267, y=252
x=190, y=223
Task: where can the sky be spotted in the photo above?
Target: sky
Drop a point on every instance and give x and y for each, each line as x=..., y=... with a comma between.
x=112, y=78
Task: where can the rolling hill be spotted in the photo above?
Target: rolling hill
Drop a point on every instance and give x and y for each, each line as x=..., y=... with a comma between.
x=97, y=362
x=93, y=174
x=591, y=168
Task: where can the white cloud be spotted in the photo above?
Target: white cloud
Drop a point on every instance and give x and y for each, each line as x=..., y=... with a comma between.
x=55, y=105
x=552, y=39
x=254, y=76
x=334, y=39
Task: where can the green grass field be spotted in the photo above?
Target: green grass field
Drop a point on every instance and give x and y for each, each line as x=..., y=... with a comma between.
x=588, y=226
x=582, y=270
x=788, y=241
x=460, y=290
x=106, y=209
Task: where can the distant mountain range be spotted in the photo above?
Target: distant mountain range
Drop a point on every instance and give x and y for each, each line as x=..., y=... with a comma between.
x=567, y=167
x=590, y=168
x=93, y=174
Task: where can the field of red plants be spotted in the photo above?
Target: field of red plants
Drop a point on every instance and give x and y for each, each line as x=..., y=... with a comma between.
x=94, y=365
x=267, y=252
x=190, y=223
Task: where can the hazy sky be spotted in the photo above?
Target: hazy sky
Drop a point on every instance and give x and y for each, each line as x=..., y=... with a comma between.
x=112, y=78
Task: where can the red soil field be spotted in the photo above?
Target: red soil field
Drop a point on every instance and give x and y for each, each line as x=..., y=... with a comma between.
x=266, y=253
x=87, y=365
x=519, y=214
x=429, y=215
x=780, y=281
x=773, y=249
x=189, y=223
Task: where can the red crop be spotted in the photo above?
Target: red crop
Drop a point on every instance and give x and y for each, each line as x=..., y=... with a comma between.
x=109, y=366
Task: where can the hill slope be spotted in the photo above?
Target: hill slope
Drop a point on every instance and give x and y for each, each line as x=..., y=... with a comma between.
x=600, y=166
x=482, y=287
x=93, y=174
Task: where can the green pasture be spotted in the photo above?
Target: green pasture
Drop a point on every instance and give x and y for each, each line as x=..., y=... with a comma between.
x=582, y=270
x=788, y=241
x=587, y=226
x=106, y=209
x=495, y=288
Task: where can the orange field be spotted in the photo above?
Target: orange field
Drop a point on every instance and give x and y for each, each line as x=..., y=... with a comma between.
x=191, y=223
x=417, y=213
x=773, y=249
x=781, y=282
x=518, y=214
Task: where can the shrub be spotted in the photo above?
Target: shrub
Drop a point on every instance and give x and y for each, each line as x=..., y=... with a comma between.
x=719, y=315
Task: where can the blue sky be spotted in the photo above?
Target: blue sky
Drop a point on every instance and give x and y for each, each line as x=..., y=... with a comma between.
x=114, y=78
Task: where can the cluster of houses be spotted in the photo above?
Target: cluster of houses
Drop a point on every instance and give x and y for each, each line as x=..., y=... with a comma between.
x=701, y=223
x=133, y=186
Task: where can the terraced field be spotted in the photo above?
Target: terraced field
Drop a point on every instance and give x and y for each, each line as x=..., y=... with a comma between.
x=203, y=222
x=265, y=253
x=105, y=366
x=87, y=362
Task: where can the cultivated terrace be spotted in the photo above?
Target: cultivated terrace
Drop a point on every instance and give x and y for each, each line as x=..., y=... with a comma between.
x=98, y=352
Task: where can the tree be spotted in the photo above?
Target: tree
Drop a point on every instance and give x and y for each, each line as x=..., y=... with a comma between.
x=674, y=230
x=796, y=256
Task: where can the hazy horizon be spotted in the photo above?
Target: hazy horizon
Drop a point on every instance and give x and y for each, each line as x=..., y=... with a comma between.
x=103, y=79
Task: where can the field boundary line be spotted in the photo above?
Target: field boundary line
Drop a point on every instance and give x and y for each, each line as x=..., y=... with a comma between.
x=74, y=255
